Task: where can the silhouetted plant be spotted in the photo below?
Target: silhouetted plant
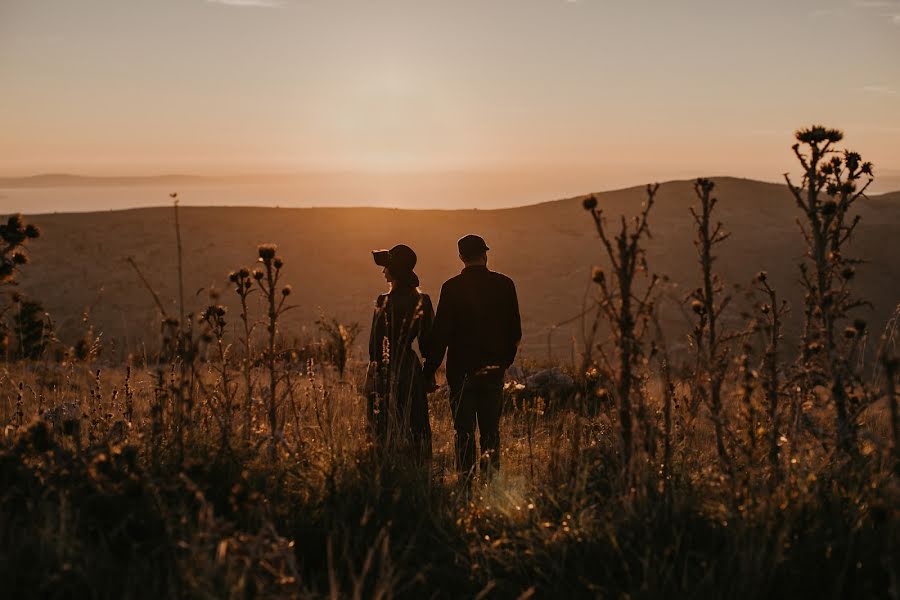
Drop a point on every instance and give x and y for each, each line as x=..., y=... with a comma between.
x=222, y=398
x=829, y=189
x=14, y=234
x=712, y=346
x=243, y=287
x=30, y=325
x=770, y=324
x=338, y=343
x=625, y=311
x=267, y=279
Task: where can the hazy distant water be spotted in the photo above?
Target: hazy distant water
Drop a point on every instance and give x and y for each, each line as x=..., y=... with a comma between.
x=422, y=192
x=425, y=191
x=88, y=199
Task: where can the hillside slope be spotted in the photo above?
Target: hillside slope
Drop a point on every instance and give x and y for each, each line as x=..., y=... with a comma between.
x=548, y=249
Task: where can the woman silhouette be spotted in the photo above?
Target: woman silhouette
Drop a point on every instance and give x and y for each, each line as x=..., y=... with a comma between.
x=398, y=405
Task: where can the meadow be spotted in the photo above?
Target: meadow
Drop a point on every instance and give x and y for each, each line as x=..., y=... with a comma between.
x=750, y=452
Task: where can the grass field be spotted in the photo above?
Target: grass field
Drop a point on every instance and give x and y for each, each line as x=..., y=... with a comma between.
x=754, y=455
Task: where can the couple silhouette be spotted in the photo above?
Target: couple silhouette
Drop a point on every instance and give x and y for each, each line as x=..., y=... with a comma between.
x=477, y=326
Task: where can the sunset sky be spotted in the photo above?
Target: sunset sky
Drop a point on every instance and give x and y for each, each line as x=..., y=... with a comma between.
x=645, y=90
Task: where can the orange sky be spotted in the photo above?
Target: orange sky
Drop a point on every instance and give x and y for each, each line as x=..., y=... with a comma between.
x=643, y=89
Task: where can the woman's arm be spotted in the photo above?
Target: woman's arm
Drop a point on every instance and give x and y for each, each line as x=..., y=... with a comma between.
x=426, y=321
x=377, y=331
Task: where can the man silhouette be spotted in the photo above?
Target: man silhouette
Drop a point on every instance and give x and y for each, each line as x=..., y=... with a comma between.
x=478, y=325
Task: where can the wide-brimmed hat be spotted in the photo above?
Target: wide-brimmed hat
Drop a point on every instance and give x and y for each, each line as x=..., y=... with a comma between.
x=400, y=260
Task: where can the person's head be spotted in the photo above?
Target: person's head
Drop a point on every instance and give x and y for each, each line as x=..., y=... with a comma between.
x=398, y=264
x=472, y=250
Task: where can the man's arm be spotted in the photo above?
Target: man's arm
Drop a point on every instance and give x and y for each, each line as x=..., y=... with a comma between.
x=515, y=324
x=439, y=336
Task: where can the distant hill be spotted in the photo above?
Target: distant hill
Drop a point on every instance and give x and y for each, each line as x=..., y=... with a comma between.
x=548, y=249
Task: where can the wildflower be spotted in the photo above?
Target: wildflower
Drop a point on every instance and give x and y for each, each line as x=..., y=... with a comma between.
x=244, y=272
x=258, y=274
x=590, y=203
x=233, y=277
x=761, y=276
x=19, y=258
x=697, y=307
x=597, y=275
x=829, y=207
x=848, y=273
x=267, y=251
x=278, y=262
x=286, y=290
x=818, y=134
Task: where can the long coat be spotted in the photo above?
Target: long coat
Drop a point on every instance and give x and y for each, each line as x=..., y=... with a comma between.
x=398, y=404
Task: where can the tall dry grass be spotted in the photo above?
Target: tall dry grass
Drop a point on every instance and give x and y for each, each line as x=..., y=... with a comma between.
x=235, y=461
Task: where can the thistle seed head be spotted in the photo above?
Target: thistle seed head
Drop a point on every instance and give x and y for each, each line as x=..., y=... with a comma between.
x=267, y=251
x=818, y=134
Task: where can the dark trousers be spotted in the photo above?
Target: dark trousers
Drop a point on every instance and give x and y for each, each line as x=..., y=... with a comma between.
x=478, y=403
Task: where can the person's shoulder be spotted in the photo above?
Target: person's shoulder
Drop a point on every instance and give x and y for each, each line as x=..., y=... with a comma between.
x=503, y=279
x=452, y=283
x=381, y=300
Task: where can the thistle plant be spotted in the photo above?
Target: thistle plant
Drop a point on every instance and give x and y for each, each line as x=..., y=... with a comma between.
x=14, y=234
x=708, y=302
x=770, y=324
x=214, y=319
x=833, y=180
x=267, y=280
x=243, y=287
x=620, y=305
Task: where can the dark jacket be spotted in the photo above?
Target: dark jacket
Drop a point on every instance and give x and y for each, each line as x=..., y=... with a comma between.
x=477, y=325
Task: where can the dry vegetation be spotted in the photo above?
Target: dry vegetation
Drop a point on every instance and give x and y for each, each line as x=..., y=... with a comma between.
x=233, y=461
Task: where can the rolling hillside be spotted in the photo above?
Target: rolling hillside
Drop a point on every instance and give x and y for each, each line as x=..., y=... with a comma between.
x=548, y=249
